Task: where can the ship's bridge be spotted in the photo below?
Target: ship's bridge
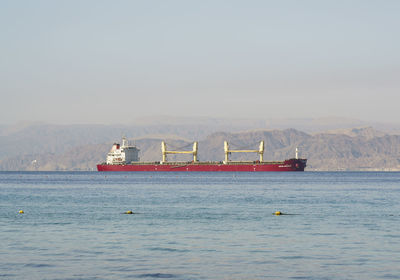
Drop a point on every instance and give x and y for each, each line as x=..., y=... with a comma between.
x=124, y=154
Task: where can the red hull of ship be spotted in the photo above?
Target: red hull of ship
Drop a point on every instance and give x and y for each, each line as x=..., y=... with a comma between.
x=287, y=165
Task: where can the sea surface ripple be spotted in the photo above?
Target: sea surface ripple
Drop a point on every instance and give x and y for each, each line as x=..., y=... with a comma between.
x=342, y=225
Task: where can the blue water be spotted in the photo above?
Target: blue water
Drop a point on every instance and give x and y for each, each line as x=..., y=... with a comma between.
x=345, y=225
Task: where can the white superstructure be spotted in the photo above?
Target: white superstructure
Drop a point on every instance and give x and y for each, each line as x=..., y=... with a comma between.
x=124, y=154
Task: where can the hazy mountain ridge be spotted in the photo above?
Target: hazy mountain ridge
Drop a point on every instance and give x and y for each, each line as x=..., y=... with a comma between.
x=23, y=139
x=354, y=149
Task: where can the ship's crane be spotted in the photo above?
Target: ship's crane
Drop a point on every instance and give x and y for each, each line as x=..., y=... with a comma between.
x=165, y=152
x=260, y=151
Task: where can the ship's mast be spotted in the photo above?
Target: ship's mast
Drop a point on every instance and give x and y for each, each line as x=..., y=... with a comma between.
x=124, y=142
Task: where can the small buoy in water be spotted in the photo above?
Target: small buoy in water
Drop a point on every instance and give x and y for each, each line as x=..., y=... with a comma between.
x=21, y=211
x=278, y=213
x=128, y=212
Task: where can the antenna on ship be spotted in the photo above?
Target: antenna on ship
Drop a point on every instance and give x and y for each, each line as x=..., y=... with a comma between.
x=124, y=141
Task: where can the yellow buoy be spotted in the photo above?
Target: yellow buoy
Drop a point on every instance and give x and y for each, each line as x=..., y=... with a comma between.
x=21, y=211
x=278, y=213
x=129, y=212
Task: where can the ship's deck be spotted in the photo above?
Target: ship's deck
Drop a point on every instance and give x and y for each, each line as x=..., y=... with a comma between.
x=203, y=163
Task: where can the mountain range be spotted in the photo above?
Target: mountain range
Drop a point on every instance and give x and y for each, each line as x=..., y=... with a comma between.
x=340, y=145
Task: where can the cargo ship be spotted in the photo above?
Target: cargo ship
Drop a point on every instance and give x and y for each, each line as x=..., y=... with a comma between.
x=125, y=157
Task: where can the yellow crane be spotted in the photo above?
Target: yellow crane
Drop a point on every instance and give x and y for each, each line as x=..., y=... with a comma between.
x=260, y=151
x=165, y=152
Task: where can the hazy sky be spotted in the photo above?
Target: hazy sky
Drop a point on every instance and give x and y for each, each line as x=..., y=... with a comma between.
x=114, y=61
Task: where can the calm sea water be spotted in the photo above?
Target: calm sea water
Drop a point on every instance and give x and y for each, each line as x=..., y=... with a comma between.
x=344, y=225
